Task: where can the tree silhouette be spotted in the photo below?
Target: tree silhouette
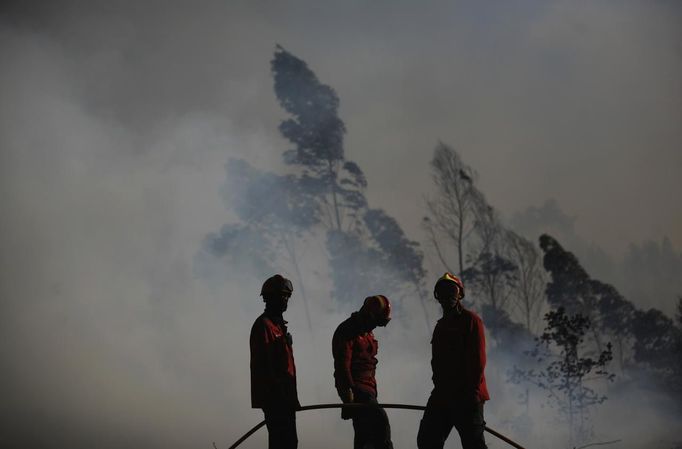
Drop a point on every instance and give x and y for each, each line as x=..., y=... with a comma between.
x=647, y=340
x=451, y=209
x=570, y=286
x=317, y=133
x=493, y=276
x=367, y=249
x=565, y=368
x=460, y=218
x=278, y=207
x=531, y=280
x=400, y=255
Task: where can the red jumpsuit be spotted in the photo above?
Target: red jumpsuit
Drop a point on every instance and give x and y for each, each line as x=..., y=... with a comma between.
x=273, y=380
x=458, y=363
x=458, y=358
x=273, y=371
x=355, y=349
x=355, y=358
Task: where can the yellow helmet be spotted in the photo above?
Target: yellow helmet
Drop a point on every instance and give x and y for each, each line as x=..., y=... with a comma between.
x=446, y=281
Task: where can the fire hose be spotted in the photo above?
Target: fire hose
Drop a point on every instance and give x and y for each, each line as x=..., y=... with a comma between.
x=400, y=406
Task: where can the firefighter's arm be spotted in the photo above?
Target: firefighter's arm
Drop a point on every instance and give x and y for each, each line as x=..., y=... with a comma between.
x=261, y=383
x=275, y=365
x=257, y=347
x=342, y=351
x=479, y=357
x=263, y=356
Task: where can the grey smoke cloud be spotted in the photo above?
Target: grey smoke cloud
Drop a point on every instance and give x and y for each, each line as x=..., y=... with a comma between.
x=116, y=121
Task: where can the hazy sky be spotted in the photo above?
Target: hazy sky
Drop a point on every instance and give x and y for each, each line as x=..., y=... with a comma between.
x=117, y=117
x=578, y=101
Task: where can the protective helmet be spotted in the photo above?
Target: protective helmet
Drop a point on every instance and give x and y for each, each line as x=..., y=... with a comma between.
x=275, y=285
x=379, y=307
x=446, y=283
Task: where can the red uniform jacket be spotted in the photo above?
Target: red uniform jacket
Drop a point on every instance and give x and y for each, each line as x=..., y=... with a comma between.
x=458, y=358
x=273, y=371
x=354, y=352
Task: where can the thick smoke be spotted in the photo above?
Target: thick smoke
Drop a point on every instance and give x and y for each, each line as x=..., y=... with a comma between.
x=117, y=120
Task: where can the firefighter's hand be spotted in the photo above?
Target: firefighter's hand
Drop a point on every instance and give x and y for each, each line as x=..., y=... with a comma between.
x=346, y=395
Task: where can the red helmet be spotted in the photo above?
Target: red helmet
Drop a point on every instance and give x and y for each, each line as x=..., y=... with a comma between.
x=447, y=282
x=379, y=307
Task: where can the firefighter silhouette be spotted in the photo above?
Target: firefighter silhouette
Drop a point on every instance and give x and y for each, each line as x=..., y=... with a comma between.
x=273, y=371
x=458, y=363
x=355, y=349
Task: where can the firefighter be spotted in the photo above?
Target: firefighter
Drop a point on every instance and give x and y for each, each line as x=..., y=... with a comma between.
x=458, y=363
x=273, y=371
x=355, y=349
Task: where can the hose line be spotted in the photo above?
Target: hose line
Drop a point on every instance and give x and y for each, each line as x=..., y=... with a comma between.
x=400, y=406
